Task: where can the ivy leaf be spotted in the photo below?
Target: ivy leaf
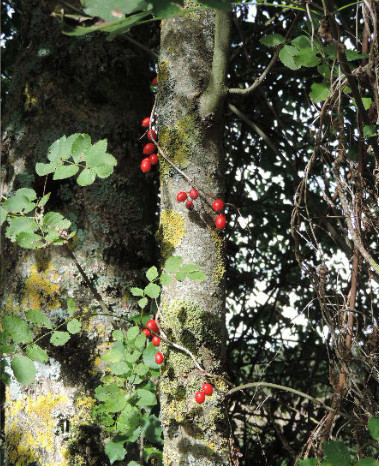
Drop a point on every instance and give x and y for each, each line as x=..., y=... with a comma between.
x=36, y=353
x=153, y=290
x=152, y=274
x=173, y=264
x=146, y=397
x=272, y=40
x=38, y=318
x=115, y=450
x=319, y=92
x=86, y=177
x=59, y=338
x=65, y=171
x=336, y=452
x=287, y=55
x=18, y=329
x=23, y=369
x=74, y=326
x=136, y=291
x=373, y=427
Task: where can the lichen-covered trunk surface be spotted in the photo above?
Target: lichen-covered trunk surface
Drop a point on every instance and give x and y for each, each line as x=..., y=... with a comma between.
x=60, y=86
x=193, y=314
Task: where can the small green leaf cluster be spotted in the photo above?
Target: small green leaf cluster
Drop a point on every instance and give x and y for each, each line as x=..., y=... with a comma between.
x=336, y=452
x=69, y=155
x=173, y=268
x=18, y=340
x=127, y=405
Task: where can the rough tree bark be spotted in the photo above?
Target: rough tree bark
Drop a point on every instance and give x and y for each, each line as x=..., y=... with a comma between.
x=61, y=86
x=192, y=67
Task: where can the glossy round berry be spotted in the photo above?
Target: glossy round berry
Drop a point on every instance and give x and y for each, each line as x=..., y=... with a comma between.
x=189, y=205
x=193, y=194
x=148, y=148
x=220, y=221
x=200, y=397
x=146, y=122
x=218, y=205
x=181, y=196
x=147, y=332
x=208, y=389
x=151, y=135
x=156, y=341
x=154, y=82
x=146, y=165
x=153, y=159
x=159, y=358
x=152, y=325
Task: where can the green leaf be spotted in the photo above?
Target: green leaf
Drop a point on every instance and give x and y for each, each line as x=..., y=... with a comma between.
x=59, y=338
x=152, y=429
x=115, y=450
x=307, y=57
x=324, y=70
x=18, y=225
x=43, y=169
x=38, y=318
x=54, y=152
x=21, y=201
x=173, y=263
x=287, y=55
x=133, y=357
x=65, y=171
x=140, y=341
x=181, y=276
x=23, y=369
x=18, y=329
x=354, y=55
x=272, y=40
x=132, y=333
x=103, y=171
x=189, y=268
x=104, y=392
x=153, y=290
x=111, y=10
x=116, y=403
x=367, y=101
x=118, y=335
x=95, y=154
x=129, y=419
x=74, y=326
x=142, y=302
x=165, y=279
x=3, y=215
x=302, y=42
x=116, y=353
x=146, y=397
x=119, y=368
x=309, y=462
x=319, y=92
x=369, y=131
x=42, y=202
x=197, y=276
x=30, y=240
x=141, y=369
x=153, y=455
x=336, y=452
x=6, y=343
x=71, y=307
x=80, y=145
x=136, y=291
x=152, y=274
x=36, y=353
x=373, y=427
x=86, y=177
x=148, y=356
x=366, y=462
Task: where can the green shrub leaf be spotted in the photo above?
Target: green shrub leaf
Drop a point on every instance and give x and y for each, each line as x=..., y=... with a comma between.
x=23, y=369
x=37, y=353
x=59, y=338
x=18, y=329
x=39, y=318
x=74, y=326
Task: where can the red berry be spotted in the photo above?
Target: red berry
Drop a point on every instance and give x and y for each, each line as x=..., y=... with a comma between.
x=193, y=194
x=146, y=165
x=189, y=205
x=151, y=135
x=148, y=148
x=156, y=341
x=159, y=358
x=218, y=205
x=154, y=82
x=147, y=332
x=181, y=196
x=152, y=325
x=153, y=159
x=200, y=397
x=208, y=389
x=146, y=122
x=220, y=221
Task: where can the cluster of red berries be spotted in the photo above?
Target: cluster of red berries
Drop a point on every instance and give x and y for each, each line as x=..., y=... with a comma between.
x=149, y=148
x=182, y=196
x=152, y=326
x=207, y=389
x=220, y=220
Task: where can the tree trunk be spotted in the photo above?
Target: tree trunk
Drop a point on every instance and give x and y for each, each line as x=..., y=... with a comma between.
x=193, y=314
x=60, y=86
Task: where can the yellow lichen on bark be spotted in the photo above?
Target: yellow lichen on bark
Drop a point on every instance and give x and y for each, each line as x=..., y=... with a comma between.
x=42, y=289
x=171, y=231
